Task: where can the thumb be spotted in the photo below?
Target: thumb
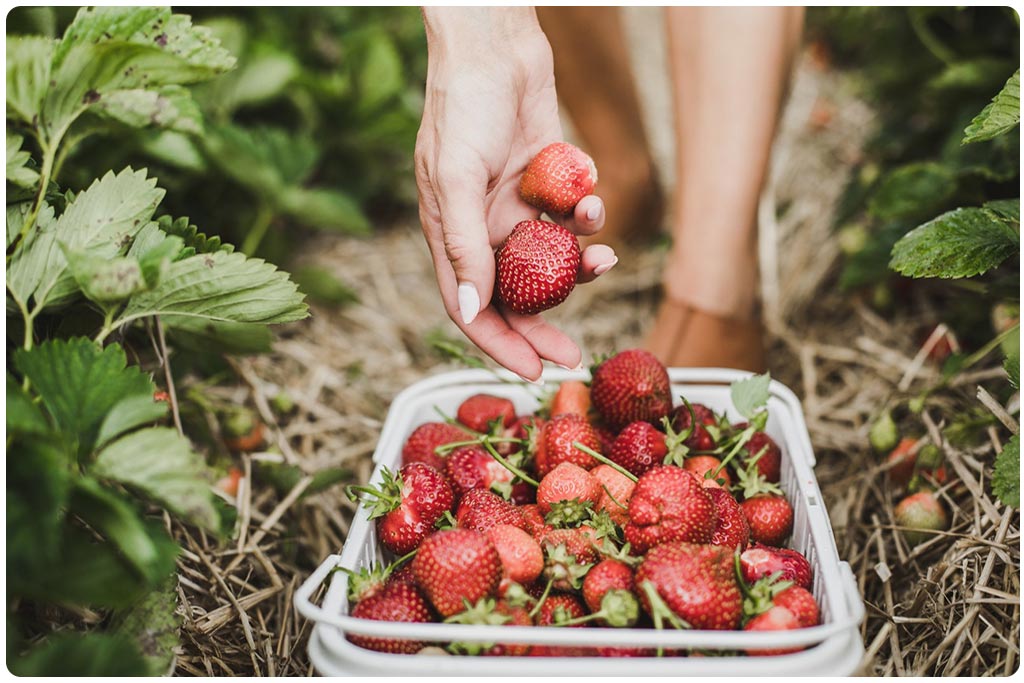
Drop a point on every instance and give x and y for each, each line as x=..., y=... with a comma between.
x=468, y=248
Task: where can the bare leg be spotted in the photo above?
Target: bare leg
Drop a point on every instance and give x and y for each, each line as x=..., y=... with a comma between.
x=592, y=73
x=730, y=67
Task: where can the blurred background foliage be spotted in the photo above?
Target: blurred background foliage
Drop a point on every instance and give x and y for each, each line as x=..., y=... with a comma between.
x=927, y=71
x=314, y=130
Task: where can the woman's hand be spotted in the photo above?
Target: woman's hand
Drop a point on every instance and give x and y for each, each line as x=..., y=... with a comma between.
x=490, y=107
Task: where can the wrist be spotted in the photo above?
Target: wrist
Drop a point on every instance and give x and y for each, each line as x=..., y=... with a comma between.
x=468, y=30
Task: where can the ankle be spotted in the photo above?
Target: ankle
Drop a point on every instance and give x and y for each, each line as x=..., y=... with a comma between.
x=719, y=285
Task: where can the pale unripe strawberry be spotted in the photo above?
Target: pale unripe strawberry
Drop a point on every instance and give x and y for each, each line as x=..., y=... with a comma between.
x=558, y=178
x=537, y=266
x=921, y=512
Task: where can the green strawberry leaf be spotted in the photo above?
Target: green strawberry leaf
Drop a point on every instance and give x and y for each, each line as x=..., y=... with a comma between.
x=129, y=413
x=170, y=107
x=750, y=396
x=161, y=463
x=28, y=75
x=17, y=159
x=1006, y=475
x=960, y=243
x=152, y=624
x=913, y=191
x=75, y=654
x=79, y=384
x=1000, y=115
x=23, y=416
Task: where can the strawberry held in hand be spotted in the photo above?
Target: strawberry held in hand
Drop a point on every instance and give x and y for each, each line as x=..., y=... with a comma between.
x=537, y=266
x=558, y=178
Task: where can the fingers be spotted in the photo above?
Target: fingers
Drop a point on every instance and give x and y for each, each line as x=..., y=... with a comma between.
x=548, y=341
x=597, y=260
x=587, y=218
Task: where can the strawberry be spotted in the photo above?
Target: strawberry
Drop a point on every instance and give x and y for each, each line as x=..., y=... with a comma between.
x=479, y=411
x=401, y=602
x=611, y=651
x=920, y=513
x=638, y=448
x=770, y=517
x=902, y=461
x=229, y=483
x=731, y=527
x=420, y=445
x=406, y=505
x=708, y=469
x=801, y=603
x=537, y=266
x=569, y=555
x=567, y=494
x=481, y=509
x=533, y=521
x=699, y=439
x=759, y=561
x=555, y=443
x=608, y=574
x=669, y=504
x=453, y=565
x=775, y=619
x=694, y=583
x=573, y=397
x=472, y=467
x=558, y=608
x=606, y=436
x=769, y=457
x=489, y=612
x=522, y=559
x=616, y=492
x=631, y=386
x=558, y=178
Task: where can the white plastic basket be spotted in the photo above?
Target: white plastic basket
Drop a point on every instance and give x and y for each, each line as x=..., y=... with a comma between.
x=833, y=648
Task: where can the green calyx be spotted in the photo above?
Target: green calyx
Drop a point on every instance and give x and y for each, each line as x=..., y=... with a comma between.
x=567, y=514
x=660, y=612
x=676, y=441
x=381, y=499
x=562, y=568
x=619, y=609
x=483, y=613
x=750, y=482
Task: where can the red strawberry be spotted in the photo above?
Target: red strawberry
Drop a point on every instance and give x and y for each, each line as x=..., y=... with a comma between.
x=801, y=603
x=558, y=608
x=567, y=490
x=669, y=504
x=533, y=521
x=759, y=561
x=522, y=560
x=537, y=266
x=479, y=411
x=702, y=465
x=609, y=651
x=775, y=619
x=472, y=467
x=695, y=583
x=731, y=528
x=406, y=506
x=401, y=602
x=920, y=513
x=573, y=397
x=700, y=439
x=608, y=574
x=569, y=554
x=769, y=464
x=562, y=650
x=616, y=492
x=558, y=178
x=638, y=448
x=481, y=509
x=420, y=445
x=453, y=565
x=630, y=386
x=606, y=436
x=770, y=518
x=555, y=444
x=492, y=613
x=902, y=461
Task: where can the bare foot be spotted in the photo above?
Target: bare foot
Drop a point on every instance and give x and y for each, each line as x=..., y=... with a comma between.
x=685, y=336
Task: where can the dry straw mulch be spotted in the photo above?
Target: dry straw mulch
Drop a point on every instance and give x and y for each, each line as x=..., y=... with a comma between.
x=949, y=606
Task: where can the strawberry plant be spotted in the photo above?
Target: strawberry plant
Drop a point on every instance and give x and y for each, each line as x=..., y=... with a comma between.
x=90, y=453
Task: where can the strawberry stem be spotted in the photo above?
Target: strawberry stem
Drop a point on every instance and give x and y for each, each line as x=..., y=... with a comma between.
x=741, y=441
x=542, y=598
x=447, y=448
x=600, y=458
x=507, y=465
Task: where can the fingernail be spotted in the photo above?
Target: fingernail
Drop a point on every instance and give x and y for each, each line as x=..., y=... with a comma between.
x=537, y=382
x=469, y=302
x=594, y=211
x=578, y=367
x=605, y=267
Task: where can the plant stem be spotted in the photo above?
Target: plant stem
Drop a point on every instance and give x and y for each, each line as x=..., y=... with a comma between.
x=600, y=458
x=987, y=348
x=264, y=217
x=507, y=465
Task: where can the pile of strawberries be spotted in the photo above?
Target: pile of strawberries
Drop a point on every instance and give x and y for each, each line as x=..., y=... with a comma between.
x=609, y=507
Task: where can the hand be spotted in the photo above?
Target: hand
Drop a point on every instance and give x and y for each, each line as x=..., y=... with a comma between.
x=490, y=107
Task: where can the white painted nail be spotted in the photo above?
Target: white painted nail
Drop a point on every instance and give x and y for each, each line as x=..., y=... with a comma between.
x=469, y=302
x=537, y=382
x=594, y=211
x=578, y=367
x=605, y=267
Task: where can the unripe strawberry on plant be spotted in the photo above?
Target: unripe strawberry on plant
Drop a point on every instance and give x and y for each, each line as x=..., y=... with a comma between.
x=920, y=513
x=537, y=266
x=902, y=461
x=558, y=178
